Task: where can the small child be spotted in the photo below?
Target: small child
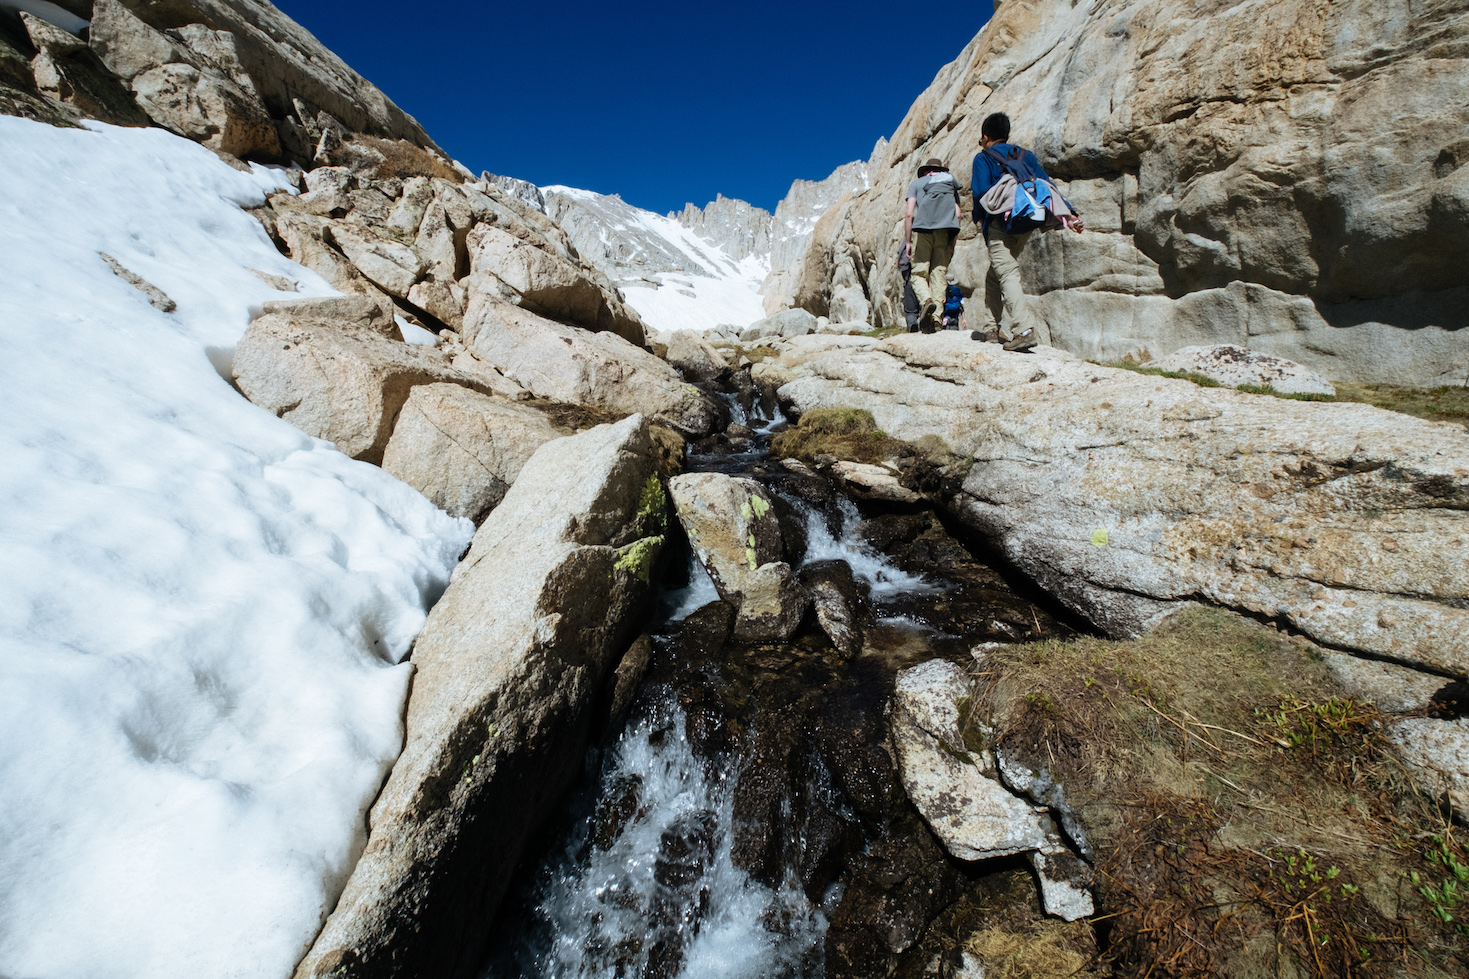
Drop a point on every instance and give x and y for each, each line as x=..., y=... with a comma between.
x=954, y=316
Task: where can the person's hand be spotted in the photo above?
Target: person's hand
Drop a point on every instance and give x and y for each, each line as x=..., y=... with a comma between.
x=1080, y=224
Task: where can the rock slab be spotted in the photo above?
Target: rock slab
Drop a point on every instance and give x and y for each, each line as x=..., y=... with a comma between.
x=732, y=525
x=508, y=668
x=337, y=379
x=957, y=788
x=462, y=449
x=1124, y=494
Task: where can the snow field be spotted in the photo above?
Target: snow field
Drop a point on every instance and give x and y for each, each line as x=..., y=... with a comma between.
x=206, y=610
x=729, y=296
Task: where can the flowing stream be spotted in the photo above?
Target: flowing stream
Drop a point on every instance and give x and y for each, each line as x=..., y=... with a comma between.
x=716, y=825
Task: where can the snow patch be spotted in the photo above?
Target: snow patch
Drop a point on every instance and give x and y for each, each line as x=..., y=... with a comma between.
x=206, y=611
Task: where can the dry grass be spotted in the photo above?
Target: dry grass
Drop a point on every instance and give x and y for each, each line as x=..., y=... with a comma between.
x=1247, y=819
x=403, y=159
x=1435, y=404
x=1049, y=955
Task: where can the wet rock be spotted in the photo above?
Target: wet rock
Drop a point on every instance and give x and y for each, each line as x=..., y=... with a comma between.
x=629, y=674
x=1123, y=495
x=738, y=431
x=873, y=482
x=462, y=449
x=733, y=528
x=840, y=605
x=509, y=666
x=888, y=529
x=892, y=894
x=997, y=927
x=743, y=388
x=955, y=783
x=616, y=810
x=793, y=532
x=772, y=603
x=693, y=357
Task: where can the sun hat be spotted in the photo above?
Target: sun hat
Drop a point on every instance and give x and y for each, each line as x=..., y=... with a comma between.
x=953, y=279
x=933, y=164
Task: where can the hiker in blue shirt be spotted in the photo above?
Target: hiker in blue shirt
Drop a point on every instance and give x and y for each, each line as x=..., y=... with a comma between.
x=1004, y=248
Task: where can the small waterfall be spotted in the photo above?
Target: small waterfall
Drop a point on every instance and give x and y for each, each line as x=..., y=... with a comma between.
x=869, y=565
x=676, y=603
x=645, y=885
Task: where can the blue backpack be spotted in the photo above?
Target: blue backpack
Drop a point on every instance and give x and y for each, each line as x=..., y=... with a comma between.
x=1035, y=203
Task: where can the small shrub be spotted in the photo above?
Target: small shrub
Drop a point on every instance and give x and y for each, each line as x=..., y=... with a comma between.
x=1270, y=390
x=846, y=433
x=1199, y=379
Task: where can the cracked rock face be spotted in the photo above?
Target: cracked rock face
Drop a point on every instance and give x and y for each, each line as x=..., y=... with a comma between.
x=1124, y=494
x=1225, y=157
x=956, y=786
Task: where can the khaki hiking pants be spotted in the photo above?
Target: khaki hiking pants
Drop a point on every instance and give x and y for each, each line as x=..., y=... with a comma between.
x=932, y=253
x=1004, y=251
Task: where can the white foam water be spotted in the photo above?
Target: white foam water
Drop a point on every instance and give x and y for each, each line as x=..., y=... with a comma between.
x=659, y=895
x=868, y=564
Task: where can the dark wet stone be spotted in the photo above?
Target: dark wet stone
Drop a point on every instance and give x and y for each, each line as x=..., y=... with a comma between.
x=893, y=892
x=686, y=850
x=738, y=431
x=716, y=444
x=629, y=674
x=1451, y=701
x=840, y=603
x=618, y=806
x=1004, y=899
x=888, y=529
x=742, y=386
x=792, y=529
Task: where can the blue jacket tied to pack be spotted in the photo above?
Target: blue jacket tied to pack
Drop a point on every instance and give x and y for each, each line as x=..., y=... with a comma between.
x=1036, y=202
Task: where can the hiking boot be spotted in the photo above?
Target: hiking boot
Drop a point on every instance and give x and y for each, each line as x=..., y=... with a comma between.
x=1021, y=341
x=925, y=319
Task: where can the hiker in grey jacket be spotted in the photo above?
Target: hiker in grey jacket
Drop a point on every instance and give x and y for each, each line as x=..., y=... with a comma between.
x=930, y=227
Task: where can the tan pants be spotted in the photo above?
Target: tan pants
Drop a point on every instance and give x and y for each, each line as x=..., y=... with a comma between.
x=932, y=253
x=1004, y=251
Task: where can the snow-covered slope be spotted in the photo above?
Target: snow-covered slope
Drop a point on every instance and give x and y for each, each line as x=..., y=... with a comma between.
x=726, y=263
x=675, y=279
x=205, y=610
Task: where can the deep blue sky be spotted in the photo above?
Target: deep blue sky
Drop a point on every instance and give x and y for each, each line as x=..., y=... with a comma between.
x=660, y=102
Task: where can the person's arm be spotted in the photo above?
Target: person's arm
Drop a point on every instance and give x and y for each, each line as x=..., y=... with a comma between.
x=908, y=224
x=981, y=180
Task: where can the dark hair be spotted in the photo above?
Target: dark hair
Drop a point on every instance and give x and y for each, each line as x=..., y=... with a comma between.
x=996, y=127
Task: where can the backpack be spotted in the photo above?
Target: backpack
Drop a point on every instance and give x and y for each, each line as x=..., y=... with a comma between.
x=953, y=301
x=1024, y=200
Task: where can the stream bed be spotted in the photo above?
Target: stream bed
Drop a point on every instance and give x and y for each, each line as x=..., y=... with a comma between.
x=744, y=817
